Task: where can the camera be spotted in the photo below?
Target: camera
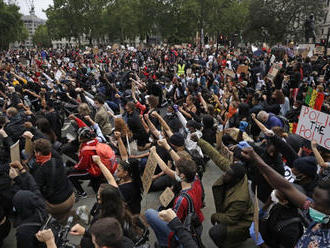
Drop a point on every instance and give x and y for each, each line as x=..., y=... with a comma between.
x=60, y=232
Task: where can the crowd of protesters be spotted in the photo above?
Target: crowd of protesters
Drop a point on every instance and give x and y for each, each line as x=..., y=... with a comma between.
x=178, y=105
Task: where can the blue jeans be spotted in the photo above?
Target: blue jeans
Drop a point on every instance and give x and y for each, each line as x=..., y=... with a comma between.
x=159, y=226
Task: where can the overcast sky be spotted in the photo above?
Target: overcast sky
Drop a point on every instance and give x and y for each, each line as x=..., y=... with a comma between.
x=38, y=4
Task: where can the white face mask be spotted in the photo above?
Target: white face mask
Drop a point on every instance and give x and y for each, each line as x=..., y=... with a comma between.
x=177, y=178
x=274, y=197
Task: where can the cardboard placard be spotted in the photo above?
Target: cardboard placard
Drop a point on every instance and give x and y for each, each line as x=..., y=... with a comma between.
x=243, y=69
x=149, y=171
x=273, y=71
x=256, y=213
x=328, y=52
x=15, y=152
x=95, y=50
x=28, y=146
x=229, y=72
x=319, y=50
x=314, y=125
x=166, y=197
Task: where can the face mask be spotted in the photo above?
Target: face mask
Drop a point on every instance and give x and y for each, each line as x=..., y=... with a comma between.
x=318, y=217
x=274, y=197
x=299, y=178
x=177, y=178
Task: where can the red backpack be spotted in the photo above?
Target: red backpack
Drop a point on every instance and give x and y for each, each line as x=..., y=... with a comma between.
x=107, y=156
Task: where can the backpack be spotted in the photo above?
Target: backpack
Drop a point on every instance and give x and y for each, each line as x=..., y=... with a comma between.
x=285, y=122
x=107, y=155
x=191, y=223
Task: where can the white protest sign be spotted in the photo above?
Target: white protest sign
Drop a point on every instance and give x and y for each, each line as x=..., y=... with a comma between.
x=58, y=75
x=314, y=125
x=15, y=152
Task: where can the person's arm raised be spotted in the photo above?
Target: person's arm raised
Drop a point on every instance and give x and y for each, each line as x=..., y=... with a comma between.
x=163, y=166
x=163, y=123
x=317, y=155
x=259, y=124
x=121, y=146
x=151, y=126
x=276, y=179
x=163, y=143
x=105, y=171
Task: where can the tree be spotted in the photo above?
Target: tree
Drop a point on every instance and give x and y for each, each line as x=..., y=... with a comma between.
x=67, y=18
x=41, y=37
x=11, y=26
x=276, y=20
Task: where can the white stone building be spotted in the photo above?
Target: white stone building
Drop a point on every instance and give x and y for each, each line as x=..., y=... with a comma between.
x=31, y=23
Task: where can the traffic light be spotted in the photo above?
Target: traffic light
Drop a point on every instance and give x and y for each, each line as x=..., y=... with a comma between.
x=323, y=42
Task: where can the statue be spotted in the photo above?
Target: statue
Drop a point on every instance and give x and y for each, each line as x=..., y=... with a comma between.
x=310, y=29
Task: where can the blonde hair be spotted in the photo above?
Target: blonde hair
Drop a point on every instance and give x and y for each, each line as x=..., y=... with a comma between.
x=83, y=109
x=121, y=126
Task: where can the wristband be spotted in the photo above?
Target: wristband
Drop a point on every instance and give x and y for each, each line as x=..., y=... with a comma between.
x=171, y=149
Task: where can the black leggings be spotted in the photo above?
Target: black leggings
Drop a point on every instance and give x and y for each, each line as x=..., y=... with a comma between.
x=218, y=234
x=76, y=175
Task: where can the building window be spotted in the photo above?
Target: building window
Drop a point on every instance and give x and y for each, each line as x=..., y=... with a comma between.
x=322, y=31
x=328, y=3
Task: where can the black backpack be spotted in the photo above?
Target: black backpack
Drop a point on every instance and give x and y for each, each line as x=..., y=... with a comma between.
x=285, y=122
x=191, y=223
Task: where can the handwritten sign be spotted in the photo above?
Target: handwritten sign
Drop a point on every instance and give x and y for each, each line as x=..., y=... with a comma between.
x=166, y=197
x=149, y=171
x=28, y=146
x=15, y=152
x=273, y=71
x=314, y=125
x=229, y=73
x=243, y=69
x=319, y=50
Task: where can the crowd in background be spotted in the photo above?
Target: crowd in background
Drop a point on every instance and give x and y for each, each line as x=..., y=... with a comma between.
x=183, y=107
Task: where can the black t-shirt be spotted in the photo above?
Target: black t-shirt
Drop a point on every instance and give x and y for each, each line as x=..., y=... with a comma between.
x=132, y=196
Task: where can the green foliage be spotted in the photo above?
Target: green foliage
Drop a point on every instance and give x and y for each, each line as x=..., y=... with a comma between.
x=275, y=20
x=177, y=21
x=11, y=26
x=41, y=37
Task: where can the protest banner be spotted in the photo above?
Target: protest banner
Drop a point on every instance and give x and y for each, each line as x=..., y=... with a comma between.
x=314, y=125
x=166, y=197
x=243, y=69
x=229, y=73
x=15, y=152
x=149, y=171
x=328, y=52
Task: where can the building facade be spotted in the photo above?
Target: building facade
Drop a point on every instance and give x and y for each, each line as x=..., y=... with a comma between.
x=31, y=22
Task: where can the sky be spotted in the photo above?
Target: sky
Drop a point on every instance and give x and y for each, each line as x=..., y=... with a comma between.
x=38, y=4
